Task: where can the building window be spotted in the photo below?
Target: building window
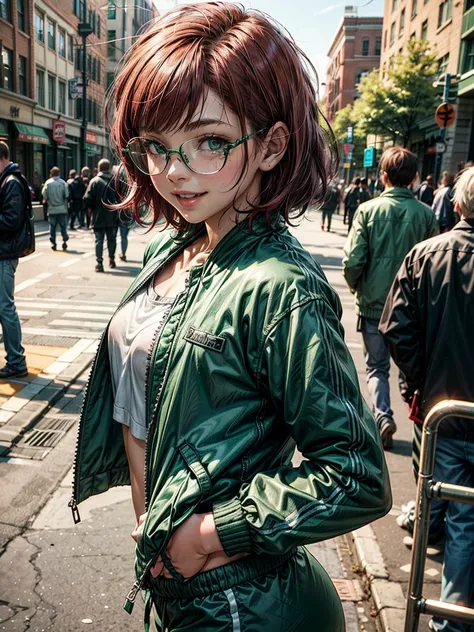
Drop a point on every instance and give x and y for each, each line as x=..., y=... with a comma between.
x=39, y=26
x=20, y=11
x=62, y=97
x=51, y=35
x=78, y=59
x=98, y=26
x=392, y=33
x=51, y=92
x=62, y=43
x=445, y=9
x=78, y=8
x=110, y=79
x=378, y=47
x=424, y=30
x=70, y=48
x=414, y=8
x=111, y=11
x=468, y=61
x=22, y=86
x=7, y=62
x=394, y=5
x=365, y=47
x=385, y=39
x=98, y=71
x=40, y=86
x=360, y=74
x=402, y=23
x=5, y=10
x=469, y=5
x=443, y=64
x=111, y=37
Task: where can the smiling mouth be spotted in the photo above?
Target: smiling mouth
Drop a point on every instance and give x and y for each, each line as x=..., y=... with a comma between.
x=188, y=196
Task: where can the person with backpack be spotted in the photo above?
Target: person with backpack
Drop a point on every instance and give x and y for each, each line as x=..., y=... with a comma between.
x=330, y=204
x=100, y=194
x=17, y=239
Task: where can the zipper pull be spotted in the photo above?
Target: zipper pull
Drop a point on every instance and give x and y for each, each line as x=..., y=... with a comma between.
x=75, y=511
x=130, y=598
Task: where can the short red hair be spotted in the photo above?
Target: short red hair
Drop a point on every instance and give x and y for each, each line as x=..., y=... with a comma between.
x=257, y=71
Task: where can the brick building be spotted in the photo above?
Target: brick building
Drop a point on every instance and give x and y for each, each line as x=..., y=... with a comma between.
x=16, y=80
x=58, y=71
x=354, y=52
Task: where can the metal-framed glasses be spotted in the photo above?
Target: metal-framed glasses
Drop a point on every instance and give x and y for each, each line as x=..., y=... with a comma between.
x=205, y=155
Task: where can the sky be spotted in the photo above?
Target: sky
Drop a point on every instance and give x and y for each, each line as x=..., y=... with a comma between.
x=313, y=23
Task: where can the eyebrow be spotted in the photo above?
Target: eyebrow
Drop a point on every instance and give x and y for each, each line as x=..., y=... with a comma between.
x=202, y=123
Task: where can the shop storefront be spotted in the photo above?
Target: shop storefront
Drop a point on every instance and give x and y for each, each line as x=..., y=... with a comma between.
x=17, y=110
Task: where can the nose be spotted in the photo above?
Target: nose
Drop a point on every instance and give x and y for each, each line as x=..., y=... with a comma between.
x=177, y=170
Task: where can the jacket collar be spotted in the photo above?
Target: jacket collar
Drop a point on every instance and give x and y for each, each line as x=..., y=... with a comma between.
x=465, y=224
x=398, y=192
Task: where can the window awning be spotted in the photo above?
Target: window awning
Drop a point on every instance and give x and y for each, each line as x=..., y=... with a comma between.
x=31, y=134
x=3, y=132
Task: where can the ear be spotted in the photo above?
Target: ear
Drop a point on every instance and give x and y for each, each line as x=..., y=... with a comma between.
x=275, y=145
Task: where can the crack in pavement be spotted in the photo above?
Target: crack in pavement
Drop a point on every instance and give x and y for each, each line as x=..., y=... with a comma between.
x=38, y=580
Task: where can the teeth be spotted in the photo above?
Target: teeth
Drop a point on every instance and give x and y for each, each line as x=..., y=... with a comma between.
x=187, y=196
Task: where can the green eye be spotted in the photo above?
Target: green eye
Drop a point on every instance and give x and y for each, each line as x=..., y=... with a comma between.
x=155, y=148
x=212, y=143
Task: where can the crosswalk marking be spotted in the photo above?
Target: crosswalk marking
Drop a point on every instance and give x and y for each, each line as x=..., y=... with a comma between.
x=30, y=282
x=72, y=323
x=103, y=317
x=39, y=299
x=30, y=257
x=61, y=333
x=29, y=313
x=69, y=263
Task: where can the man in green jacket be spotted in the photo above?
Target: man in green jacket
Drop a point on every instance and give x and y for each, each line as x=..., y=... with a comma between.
x=384, y=231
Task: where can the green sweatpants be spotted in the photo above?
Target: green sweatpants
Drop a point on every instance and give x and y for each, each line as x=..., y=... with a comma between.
x=290, y=593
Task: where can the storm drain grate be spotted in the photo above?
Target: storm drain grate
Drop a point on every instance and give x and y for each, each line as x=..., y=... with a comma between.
x=39, y=441
x=348, y=589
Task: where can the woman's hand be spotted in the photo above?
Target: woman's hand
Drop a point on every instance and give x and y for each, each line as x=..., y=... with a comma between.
x=138, y=527
x=191, y=547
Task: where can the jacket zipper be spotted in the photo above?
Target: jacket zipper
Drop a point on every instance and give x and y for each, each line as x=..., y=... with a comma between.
x=134, y=590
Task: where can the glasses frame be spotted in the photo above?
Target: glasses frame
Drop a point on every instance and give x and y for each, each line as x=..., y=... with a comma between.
x=179, y=152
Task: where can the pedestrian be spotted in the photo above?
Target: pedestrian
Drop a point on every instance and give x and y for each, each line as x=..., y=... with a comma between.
x=426, y=191
x=330, y=204
x=76, y=203
x=365, y=193
x=86, y=217
x=427, y=324
x=17, y=239
x=56, y=193
x=247, y=356
x=384, y=230
x=99, y=196
x=443, y=203
x=351, y=201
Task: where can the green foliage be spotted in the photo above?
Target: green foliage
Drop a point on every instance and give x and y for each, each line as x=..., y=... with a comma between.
x=344, y=119
x=393, y=105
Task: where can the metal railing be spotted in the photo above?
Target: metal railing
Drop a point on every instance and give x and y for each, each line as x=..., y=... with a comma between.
x=428, y=490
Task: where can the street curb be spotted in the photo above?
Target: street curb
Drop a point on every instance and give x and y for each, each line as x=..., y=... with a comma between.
x=388, y=596
x=45, y=392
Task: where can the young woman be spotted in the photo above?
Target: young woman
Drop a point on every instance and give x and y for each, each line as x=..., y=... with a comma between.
x=227, y=351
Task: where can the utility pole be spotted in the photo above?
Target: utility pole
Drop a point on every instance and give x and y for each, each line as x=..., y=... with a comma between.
x=84, y=29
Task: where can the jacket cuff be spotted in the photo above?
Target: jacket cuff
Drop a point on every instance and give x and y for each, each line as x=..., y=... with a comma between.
x=232, y=527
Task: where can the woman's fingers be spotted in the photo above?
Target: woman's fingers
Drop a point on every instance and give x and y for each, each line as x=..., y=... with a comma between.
x=158, y=569
x=137, y=529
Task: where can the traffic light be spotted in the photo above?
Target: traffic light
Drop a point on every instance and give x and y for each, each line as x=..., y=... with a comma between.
x=452, y=89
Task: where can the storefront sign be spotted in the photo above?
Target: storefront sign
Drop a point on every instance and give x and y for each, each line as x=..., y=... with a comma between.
x=91, y=138
x=59, y=131
x=14, y=112
x=75, y=89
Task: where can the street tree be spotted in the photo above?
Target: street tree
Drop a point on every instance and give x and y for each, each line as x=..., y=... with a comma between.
x=393, y=105
x=344, y=119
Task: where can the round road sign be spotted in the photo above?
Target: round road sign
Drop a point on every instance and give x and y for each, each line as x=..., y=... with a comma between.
x=445, y=115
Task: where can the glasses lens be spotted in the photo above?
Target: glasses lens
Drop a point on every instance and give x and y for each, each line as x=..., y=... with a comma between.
x=147, y=155
x=205, y=155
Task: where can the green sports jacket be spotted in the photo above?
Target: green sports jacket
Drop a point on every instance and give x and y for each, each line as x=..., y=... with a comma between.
x=251, y=362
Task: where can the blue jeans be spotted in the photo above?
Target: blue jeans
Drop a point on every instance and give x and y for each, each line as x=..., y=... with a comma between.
x=455, y=465
x=11, y=329
x=377, y=359
x=55, y=221
x=124, y=238
x=100, y=234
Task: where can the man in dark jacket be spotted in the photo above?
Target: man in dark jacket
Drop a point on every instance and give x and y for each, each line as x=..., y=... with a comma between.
x=99, y=194
x=16, y=240
x=426, y=191
x=77, y=189
x=443, y=203
x=384, y=230
x=427, y=324
x=330, y=204
x=351, y=201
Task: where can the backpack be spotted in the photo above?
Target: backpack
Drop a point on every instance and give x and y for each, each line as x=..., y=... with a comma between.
x=29, y=227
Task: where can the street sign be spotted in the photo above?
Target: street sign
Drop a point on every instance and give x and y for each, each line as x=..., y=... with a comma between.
x=75, y=89
x=369, y=157
x=347, y=165
x=59, y=131
x=445, y=115
x=440, y=146
x=350, y=133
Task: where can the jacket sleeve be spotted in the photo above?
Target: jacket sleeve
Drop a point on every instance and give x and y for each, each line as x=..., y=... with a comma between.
x=13, y=208
x=89, y=195
x=306, y=370
x=401, y=327
x=44, y=192
x=356, y=251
